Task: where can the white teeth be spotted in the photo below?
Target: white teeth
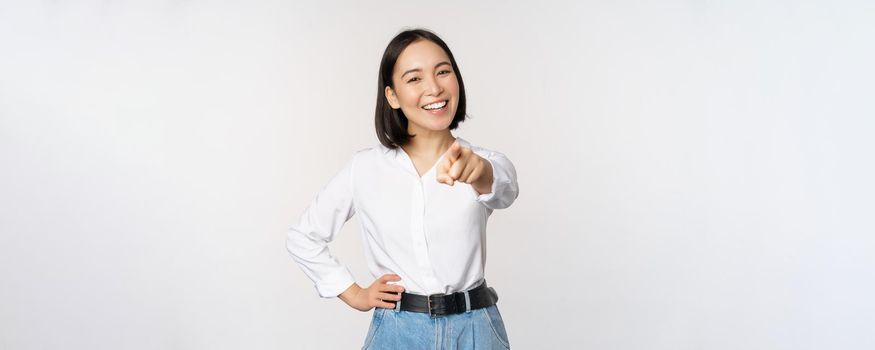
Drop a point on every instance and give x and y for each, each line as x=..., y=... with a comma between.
x=436, y=105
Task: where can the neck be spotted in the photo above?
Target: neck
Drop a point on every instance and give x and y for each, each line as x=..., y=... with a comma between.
x=428, y=143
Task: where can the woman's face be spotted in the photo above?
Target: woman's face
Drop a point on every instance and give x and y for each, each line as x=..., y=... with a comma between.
x=426, y=88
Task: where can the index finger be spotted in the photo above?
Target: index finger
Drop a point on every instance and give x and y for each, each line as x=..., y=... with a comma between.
x=389, y=277
x=454, y=152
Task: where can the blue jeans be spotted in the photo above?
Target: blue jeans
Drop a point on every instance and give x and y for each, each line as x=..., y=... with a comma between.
x=476, y=329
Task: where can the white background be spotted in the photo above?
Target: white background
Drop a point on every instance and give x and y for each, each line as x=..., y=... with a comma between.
x=693, y=174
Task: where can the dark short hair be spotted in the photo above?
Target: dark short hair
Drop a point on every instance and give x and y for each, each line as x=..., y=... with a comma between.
x=391, y=123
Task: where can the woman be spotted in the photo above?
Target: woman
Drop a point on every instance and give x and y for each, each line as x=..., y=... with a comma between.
x=424, y=197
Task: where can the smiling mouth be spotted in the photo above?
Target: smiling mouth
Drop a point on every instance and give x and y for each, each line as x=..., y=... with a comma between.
x=435, y=106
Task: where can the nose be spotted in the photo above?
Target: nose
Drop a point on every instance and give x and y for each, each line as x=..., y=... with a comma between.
x=432, y=87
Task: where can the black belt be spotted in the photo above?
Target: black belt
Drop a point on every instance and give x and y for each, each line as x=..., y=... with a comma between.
x=448, y=304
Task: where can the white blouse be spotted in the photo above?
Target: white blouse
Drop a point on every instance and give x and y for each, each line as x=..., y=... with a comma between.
x=431, y=234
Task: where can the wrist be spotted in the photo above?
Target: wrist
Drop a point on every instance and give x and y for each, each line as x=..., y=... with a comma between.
x=483, y=185
x=348, y=295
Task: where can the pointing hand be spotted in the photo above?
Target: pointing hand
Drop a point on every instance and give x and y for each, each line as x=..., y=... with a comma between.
x=463, y=165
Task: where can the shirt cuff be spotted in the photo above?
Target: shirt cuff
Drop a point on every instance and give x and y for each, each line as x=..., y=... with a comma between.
x=495, y=181
x=336, y=283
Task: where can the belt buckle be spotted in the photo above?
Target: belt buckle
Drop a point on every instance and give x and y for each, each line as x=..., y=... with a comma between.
x=428, y=302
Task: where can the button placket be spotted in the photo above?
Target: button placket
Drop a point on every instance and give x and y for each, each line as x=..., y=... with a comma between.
x=417, y=231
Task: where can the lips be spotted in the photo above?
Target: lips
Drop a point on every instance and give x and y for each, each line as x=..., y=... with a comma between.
x=435, y=105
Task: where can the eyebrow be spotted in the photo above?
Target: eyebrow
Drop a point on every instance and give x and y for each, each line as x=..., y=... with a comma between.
x=420, y=70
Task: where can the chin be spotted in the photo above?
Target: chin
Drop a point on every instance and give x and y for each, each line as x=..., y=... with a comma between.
x=441, y=125
x=434, y=124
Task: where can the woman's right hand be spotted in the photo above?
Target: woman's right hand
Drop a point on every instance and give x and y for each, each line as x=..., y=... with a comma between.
x=364, y=299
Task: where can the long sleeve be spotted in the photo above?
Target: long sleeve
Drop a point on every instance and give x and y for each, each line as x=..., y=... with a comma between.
x=308, y=240
x=504, y=182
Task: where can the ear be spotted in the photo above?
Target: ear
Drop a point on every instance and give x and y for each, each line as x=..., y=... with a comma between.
x=390, y=96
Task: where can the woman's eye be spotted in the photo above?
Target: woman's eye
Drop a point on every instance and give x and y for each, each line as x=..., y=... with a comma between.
x=413, y=79
x=444, y=72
